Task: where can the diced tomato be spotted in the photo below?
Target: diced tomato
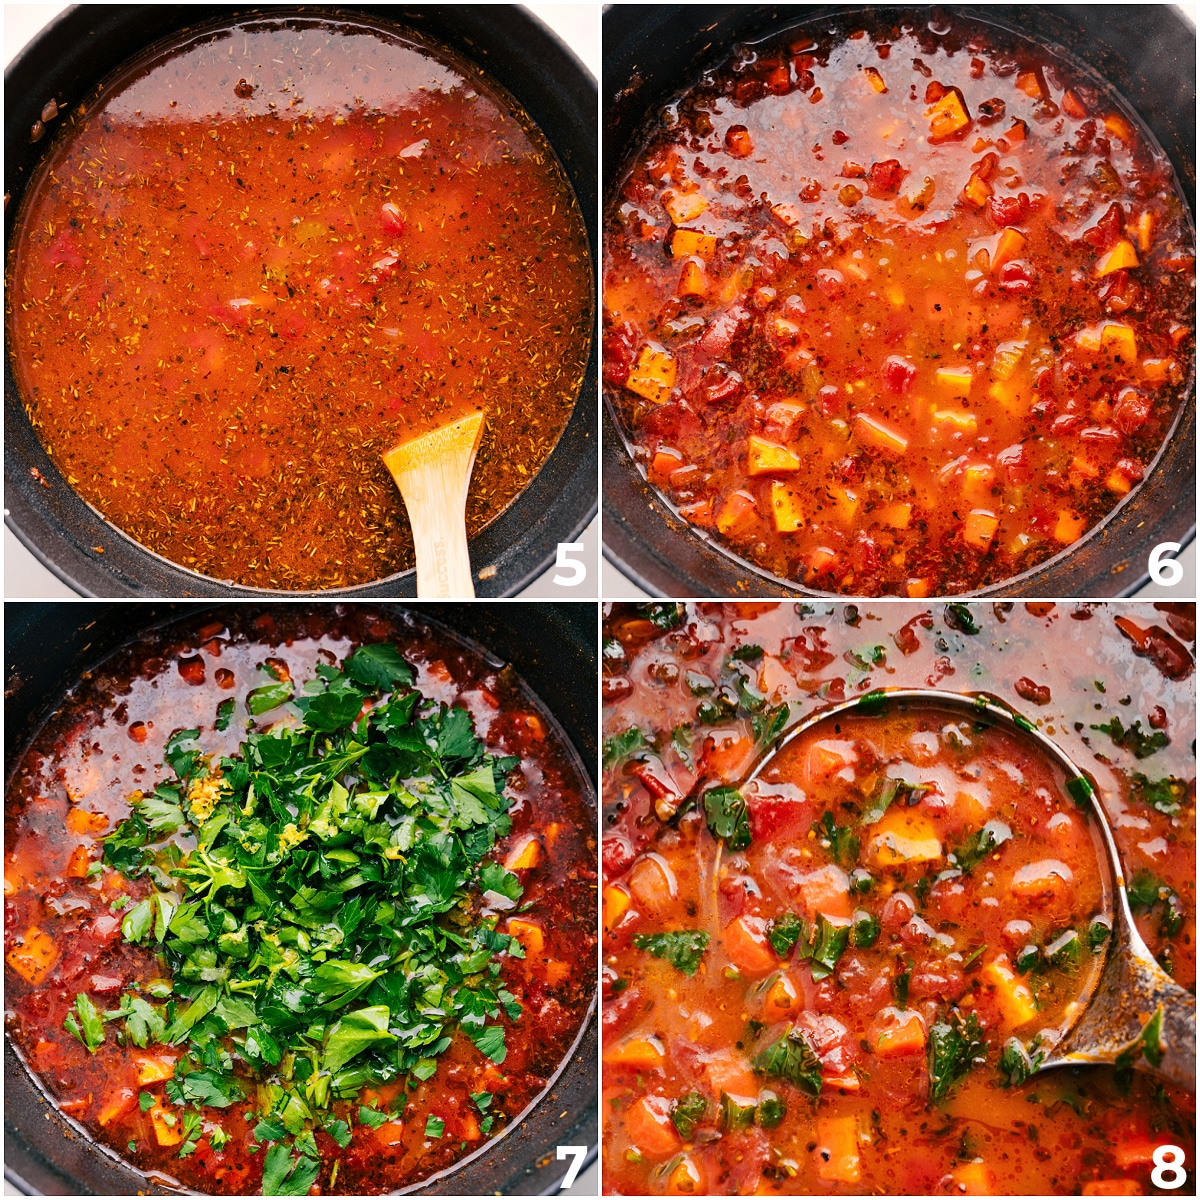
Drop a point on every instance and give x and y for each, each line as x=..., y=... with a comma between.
x=772, y=816
x=1016, y=277
x=621, y=344
x=1008, y=210
x=392, y=218
x=617, y=853
x=885, y=177
x=898, y=374
x=1132, y=410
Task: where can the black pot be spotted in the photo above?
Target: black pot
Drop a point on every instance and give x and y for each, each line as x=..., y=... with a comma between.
x=1146, y=51
x=67, y=61
x=553, y=648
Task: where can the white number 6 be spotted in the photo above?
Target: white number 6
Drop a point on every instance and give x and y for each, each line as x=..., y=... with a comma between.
x=577, y=572
x=1168, y=1161
x=1164, y=570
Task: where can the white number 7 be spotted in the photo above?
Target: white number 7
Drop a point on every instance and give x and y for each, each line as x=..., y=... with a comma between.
x=577, y=1154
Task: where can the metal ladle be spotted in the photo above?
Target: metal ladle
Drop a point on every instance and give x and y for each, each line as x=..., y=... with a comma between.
x=1131, y=986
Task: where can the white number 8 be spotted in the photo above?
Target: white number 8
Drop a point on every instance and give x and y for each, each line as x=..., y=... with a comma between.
x=1168, y=1170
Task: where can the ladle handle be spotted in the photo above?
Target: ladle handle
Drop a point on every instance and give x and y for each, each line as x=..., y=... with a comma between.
x=1178, y=1064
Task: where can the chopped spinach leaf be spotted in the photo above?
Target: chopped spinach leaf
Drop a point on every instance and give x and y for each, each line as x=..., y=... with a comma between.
x=725, y=810
x=792, y=1058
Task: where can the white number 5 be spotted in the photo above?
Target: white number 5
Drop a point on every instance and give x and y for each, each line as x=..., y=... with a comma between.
x=576, y=572
x=1164, y=570
x=576, y=1153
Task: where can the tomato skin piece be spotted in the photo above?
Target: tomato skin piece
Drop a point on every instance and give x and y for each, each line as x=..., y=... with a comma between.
x=391, y=218
x=1008, y=210
x=1132, y=410
x=1016, y=277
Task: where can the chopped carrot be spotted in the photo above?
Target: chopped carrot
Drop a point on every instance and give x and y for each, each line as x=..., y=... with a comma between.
x=78, y=863
x=947, y=116
x=972, y=1179
x=33, y=955
x=1122, y=257
x=683, y=207
x=781, y=999
x=1013, y=998
x=896, y=1033
x=977, y=191
x=692, y=279
x=687, y=242
x=389, y=1133
x=826, y=891
x=917, y=589
x=769, y=458
x=616, y=904
x=648, y=1124
x=737, y=513
x=1011, y=245
x=636, y=1054
x=728, y=754
x=653, y=374
x=528, y=934
x=154, y=1068
x=1027, y=82
x=979, y=529
x=880, y=434
x=836, y=1154
x=786, y=507
x=525, y=856
x=1069, y=527
x=79, y=820
x=904, y=835
x=748, y=947
x=117, y=1105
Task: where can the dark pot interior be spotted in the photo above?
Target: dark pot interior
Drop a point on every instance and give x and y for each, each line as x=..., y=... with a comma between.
x=552, y=647
x=1148, y=52
x=67, y=60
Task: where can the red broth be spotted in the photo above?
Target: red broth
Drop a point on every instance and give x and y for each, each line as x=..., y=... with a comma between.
x=876, y=935
x=266, y=255
x=895, y=310
x=63, y=923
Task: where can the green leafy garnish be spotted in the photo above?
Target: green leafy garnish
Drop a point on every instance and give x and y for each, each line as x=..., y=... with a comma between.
x=682, y=948
x=960, y=617
x=725, y=811
x=784, y=932
x=687, y=1112
x=434, y=1126
x=1017, y=1063
x=956, y=1047
x=980, y=844
x=840, y=840
x=791, y=1058
x=285, y=1175
x=1165, y=795
x=888, y=791
x=1146, y=891
x=335, y=921
x=618, y=748
x=829, y=944
x=85, y=1023
x=771, y=1109
x=1142, y=745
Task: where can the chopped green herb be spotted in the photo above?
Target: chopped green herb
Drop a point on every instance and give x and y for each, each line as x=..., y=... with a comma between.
x=829, y=944
x=1165, y=795
x=840, y=840
x=1142, y=745
x=725, y=810
x=980, y=844
x=960, y=617
x=687, y=1112
x=864, y=928
x=791, y=1058
x=735, y=1116
x=85, y=1023
x=434, y=1127
x=618, y=748
x=784, y=932
x=771, y=1109
x=956, y=1047
x=1017, y=1064
x=683, y=948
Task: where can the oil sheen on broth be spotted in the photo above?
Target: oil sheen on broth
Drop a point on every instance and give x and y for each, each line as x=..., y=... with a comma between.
x=267, y=254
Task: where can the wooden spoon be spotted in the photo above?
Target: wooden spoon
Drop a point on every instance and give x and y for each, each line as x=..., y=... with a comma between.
x=433, y=472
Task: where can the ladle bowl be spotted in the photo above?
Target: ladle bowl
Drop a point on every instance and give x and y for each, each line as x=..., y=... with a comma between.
x=1109, y=1021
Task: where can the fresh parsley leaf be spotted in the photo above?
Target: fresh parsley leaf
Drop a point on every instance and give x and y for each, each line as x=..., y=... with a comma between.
x=725, y=811
x=664, y=616
x=687, y=1112
x=225, y=712
x=489, y=1041
x=1017, y=1063
x=1142, y=745
x=784, y=932
x=379, y=666
x=980, y=844
x=840, y=840
x=85, y=1023
x=494, y=878
x=268, y=697
x=354, y=1033
x=960, y=617
x=372, y=1117
x=792, y=1058
x=682, y=948
x=339, y=1131
x=618, y=748
x=1164, y=795
x=888, y=792
x=434, y=1126
x=138, y=921
x=956, y=1047
x=284, y=1175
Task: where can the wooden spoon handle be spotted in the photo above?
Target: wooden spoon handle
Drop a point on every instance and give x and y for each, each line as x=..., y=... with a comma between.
x=443, y=566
